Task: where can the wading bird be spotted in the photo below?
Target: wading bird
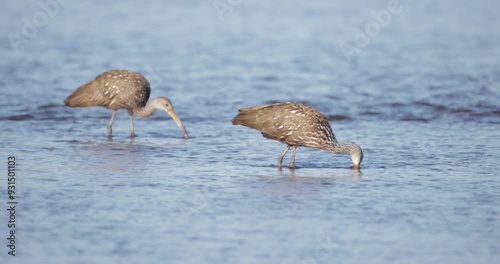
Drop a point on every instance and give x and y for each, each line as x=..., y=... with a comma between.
x=296, y=125
x=122, y=89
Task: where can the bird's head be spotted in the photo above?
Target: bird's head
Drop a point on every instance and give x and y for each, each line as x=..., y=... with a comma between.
x=163, y=103
x=356, y=155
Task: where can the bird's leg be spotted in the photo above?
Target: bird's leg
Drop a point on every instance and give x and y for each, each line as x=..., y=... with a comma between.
x=130, y=115
x=110, y=130
x=292, y=163
x=280, y=159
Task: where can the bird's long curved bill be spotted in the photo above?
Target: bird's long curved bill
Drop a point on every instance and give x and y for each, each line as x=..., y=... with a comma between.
x=179, y=122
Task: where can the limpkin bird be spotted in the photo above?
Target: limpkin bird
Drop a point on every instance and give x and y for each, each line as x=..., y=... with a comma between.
x=122, y=89
x=296, y=125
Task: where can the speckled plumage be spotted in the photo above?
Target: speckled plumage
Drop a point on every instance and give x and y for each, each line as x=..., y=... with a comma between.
x=121, y=89
x=296, y=125
x=114, y=89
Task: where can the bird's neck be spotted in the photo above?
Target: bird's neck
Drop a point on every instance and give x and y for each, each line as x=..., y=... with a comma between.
x=340, y=148
x=147, y=110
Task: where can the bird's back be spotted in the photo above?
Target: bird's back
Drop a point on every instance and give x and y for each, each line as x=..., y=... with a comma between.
x=113, y=89
x=292, y=123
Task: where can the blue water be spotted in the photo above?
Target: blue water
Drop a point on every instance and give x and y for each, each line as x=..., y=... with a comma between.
x=421, y=96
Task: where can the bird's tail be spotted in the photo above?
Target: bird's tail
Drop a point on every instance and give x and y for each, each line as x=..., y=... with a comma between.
x=245, y=116
x=237, y=120
x=254, y=117
x=85, y=95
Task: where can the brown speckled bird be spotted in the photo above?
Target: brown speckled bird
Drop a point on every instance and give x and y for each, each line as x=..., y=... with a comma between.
x=122, y=89
x=296, y=125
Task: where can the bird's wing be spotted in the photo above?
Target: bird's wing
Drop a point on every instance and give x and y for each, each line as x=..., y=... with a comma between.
x=88, y=94
x=274, y=121
x=291, y=123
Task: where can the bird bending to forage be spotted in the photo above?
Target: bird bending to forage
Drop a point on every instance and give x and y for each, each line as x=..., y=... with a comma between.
x=296, y=125
x=122, y=89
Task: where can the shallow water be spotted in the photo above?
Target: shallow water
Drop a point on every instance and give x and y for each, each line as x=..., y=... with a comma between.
x=421, y=99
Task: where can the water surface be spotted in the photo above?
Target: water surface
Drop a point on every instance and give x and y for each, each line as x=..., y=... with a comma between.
x=421, y=99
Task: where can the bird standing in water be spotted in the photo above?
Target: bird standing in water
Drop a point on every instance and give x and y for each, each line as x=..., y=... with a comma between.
x=296, y=125
x=122, y=89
